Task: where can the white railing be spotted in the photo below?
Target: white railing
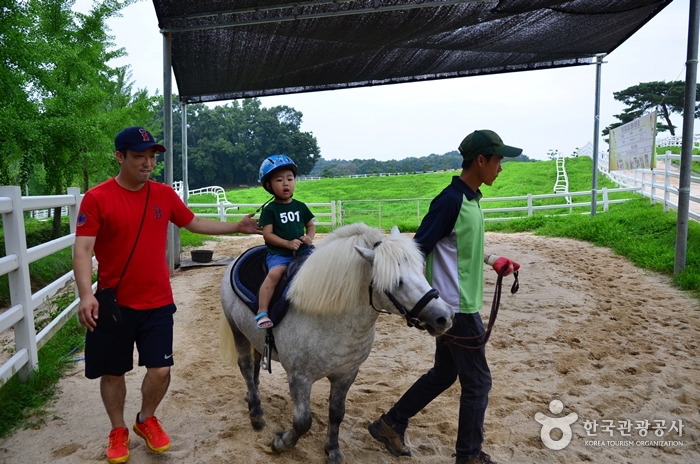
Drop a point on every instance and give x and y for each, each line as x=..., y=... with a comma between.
x=20, y=316
x=245, y=209
x=45, y=214
x=674, y=141
x=562, y=183
x=350, y=210
x=658, y=184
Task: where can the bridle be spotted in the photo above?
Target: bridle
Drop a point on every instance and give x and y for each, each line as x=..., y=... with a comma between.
x=495, y=304
x=412, y=315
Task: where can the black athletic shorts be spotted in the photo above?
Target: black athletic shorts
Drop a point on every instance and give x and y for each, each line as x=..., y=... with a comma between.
x=112, y=352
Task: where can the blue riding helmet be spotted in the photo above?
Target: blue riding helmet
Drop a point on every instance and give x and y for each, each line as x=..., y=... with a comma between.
x=273, y=163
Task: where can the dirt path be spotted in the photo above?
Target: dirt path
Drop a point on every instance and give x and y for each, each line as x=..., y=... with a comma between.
x=611, y=342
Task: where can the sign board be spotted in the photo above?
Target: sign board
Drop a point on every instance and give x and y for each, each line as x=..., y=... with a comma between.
x=632, y=145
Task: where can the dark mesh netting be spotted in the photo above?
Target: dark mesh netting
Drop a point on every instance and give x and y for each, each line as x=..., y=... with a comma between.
x=224, y=50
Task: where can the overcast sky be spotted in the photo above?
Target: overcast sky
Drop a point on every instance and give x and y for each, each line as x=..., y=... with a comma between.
x=535, y=110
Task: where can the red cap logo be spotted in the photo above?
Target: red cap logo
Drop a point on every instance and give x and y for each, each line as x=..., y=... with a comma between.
x=146, y=136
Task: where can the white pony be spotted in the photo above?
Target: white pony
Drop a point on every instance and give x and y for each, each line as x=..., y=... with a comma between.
x=329, y=329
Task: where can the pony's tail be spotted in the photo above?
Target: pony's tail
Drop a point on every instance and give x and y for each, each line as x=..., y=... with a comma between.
x=227, y=346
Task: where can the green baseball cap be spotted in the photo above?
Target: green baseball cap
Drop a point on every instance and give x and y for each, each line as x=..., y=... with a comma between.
x=486, y=142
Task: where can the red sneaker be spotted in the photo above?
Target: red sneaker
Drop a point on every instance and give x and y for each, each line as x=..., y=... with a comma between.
x=118, y=448
x=151, y=431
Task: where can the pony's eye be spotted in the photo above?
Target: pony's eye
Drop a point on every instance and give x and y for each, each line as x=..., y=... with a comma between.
x=400, y=282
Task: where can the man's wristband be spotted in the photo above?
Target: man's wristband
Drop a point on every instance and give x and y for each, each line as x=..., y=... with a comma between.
x=491, y=259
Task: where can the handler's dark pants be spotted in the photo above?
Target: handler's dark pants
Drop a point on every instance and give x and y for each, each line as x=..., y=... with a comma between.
x=474, y=376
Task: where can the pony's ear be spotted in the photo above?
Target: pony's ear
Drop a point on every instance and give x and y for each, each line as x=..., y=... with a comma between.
x=365, y=253
x=395, y=231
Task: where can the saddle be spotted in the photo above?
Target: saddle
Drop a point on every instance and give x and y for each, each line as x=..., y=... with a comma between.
x=249, y=272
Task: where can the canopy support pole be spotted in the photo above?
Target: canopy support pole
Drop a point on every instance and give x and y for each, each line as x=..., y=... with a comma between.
x=691, y=75
x=185, y=179
x=168, y=138
x=596, y=129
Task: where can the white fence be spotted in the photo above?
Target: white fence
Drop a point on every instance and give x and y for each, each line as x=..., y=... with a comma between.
x=245, y=209
x=675, y=141
x=353, y=210
x=20, y=315
x=660, y=185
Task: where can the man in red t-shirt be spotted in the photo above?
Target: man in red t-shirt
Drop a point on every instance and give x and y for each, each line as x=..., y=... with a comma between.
x=124, y=222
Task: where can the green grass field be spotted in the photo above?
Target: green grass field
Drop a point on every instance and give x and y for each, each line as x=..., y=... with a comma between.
x=360, y=195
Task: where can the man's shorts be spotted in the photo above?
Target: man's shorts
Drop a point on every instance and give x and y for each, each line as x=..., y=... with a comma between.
x=112, y=352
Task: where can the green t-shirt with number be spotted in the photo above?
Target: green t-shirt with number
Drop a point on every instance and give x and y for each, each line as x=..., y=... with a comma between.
x=288, y=222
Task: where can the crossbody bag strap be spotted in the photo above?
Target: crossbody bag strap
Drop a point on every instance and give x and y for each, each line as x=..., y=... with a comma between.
x=145, y=209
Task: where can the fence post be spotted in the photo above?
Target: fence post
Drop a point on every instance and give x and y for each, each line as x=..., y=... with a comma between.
x=20, y=284
x=667, y=180
x=653, y=186
x=529, y=204
x=605, y=199
x=334, y=223
x=340, y=213
x=73, y=211
x=418, y=212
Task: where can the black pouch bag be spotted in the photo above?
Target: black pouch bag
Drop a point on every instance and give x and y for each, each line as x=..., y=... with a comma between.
x=109, y=316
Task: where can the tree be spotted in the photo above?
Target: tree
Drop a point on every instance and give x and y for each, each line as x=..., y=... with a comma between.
x=82, y=101
x=17, y=110
x=664, y=97
x=227, y=143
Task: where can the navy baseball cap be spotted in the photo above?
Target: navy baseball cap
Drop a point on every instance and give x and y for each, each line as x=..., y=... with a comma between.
x=136, y=139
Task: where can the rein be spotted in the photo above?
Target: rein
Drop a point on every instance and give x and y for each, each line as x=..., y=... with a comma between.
x=495, y=305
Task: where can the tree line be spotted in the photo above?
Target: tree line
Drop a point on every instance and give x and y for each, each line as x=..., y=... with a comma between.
x=432, y=162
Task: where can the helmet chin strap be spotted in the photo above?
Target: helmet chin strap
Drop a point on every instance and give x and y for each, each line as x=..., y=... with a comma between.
x=263, y=205
x=268, y=201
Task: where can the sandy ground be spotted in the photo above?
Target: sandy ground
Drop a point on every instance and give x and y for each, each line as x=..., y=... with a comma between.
x=611, y=342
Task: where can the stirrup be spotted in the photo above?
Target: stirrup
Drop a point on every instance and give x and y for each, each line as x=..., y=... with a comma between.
x=266, y=360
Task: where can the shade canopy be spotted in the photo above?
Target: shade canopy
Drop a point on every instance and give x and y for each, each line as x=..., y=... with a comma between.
x=224, y=50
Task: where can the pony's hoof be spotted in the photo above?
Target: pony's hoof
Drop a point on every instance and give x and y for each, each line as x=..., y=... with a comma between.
x=277, y=444
x=335, y=456
x=258, y=423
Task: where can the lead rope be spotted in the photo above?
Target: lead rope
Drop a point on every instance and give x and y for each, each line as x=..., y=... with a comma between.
x=495, y=305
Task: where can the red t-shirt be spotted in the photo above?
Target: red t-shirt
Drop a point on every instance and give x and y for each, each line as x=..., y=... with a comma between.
x=113, y=214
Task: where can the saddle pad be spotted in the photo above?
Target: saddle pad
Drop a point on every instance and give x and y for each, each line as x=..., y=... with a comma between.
x=249, y=272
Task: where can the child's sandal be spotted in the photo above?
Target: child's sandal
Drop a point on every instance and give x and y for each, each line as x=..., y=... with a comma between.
x=262, y=319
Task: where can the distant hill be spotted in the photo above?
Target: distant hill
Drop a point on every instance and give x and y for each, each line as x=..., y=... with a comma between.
x=433, y=162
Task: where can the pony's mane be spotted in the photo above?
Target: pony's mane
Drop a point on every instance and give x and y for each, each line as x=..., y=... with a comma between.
x=394, y=257
x=332, y=277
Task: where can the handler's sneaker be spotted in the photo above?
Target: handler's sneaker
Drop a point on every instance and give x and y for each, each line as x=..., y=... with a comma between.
x=151, y=431
x=118, y=448
x=393, y=440
x=481, y=458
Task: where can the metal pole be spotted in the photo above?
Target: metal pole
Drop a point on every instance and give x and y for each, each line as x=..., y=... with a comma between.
x=168, y=135
x=691, y=74
x=185, y=180
x=596, y=129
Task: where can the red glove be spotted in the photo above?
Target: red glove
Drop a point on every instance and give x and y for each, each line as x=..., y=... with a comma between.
x=504, y=263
